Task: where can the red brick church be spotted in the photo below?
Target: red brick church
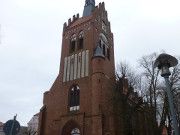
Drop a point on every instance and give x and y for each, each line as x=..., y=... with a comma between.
x=78, y=101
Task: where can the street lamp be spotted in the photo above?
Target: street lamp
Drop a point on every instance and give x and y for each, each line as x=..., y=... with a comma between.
x=164, y=62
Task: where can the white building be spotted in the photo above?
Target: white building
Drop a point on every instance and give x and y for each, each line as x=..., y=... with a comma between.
x=33, y=123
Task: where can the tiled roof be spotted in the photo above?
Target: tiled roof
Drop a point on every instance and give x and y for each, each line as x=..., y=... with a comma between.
x=80, y=21
x=1, y=124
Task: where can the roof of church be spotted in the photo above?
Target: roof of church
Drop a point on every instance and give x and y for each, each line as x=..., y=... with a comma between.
x=1, y=124
x=98, y=52
x=80, y=21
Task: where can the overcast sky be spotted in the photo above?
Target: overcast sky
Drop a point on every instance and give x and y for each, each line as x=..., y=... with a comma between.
x=31, y=37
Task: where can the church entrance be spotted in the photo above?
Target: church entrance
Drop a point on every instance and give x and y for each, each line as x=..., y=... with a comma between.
x=71, y=128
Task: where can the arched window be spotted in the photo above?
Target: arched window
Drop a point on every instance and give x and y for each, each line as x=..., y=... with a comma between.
x=81, y=37
x=103, y=42
x=75, y=131
x=74, y=98
x=73, y=42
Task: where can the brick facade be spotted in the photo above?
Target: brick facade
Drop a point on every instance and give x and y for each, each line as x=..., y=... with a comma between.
x=94, y=77
x=55, y=116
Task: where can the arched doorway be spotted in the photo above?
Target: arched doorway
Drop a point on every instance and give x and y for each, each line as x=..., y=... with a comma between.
x=71, y=128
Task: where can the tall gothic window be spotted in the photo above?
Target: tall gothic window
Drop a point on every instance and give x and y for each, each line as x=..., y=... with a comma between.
x=81, y=37
x=73, y=43
x=74, y=98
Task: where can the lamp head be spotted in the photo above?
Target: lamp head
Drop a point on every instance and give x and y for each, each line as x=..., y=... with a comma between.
x=164, y=62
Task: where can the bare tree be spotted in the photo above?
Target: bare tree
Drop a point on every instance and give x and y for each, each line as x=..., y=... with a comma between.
x=30, y=131
x=125, y=108
x=150, y=77
x=155, y=91
x=148, y=81
x=125, y=71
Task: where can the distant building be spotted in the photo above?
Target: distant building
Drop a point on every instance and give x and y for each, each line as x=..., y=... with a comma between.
x=33, y=123
x=1, y=129
x=22, y=131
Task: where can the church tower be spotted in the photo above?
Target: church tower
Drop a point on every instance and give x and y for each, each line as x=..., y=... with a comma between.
x=78, y=101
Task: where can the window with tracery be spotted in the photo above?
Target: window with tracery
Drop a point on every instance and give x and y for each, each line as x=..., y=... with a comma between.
x=73, y=42
x=81, y=38
x=74, y=98
x=75, y=131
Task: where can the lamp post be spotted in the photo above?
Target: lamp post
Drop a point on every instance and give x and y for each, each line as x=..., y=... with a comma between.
x=164, y=62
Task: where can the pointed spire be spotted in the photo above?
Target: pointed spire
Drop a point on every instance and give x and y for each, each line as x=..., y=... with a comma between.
x=98, y=52
x=89, y=6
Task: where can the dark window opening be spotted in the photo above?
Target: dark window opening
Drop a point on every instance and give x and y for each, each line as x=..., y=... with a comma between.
x=77, y=99
x=104, y=50
x=74, y=98
x=108, y=54
x=73, y=46
x=80, y=43
x=71, y=99
x=87, y=3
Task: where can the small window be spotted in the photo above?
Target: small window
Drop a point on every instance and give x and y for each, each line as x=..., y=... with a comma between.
x=104, y=49
x=73, y=46
x=81, y=38
x=80, y=43
x=73, y=43
x=108, y=53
